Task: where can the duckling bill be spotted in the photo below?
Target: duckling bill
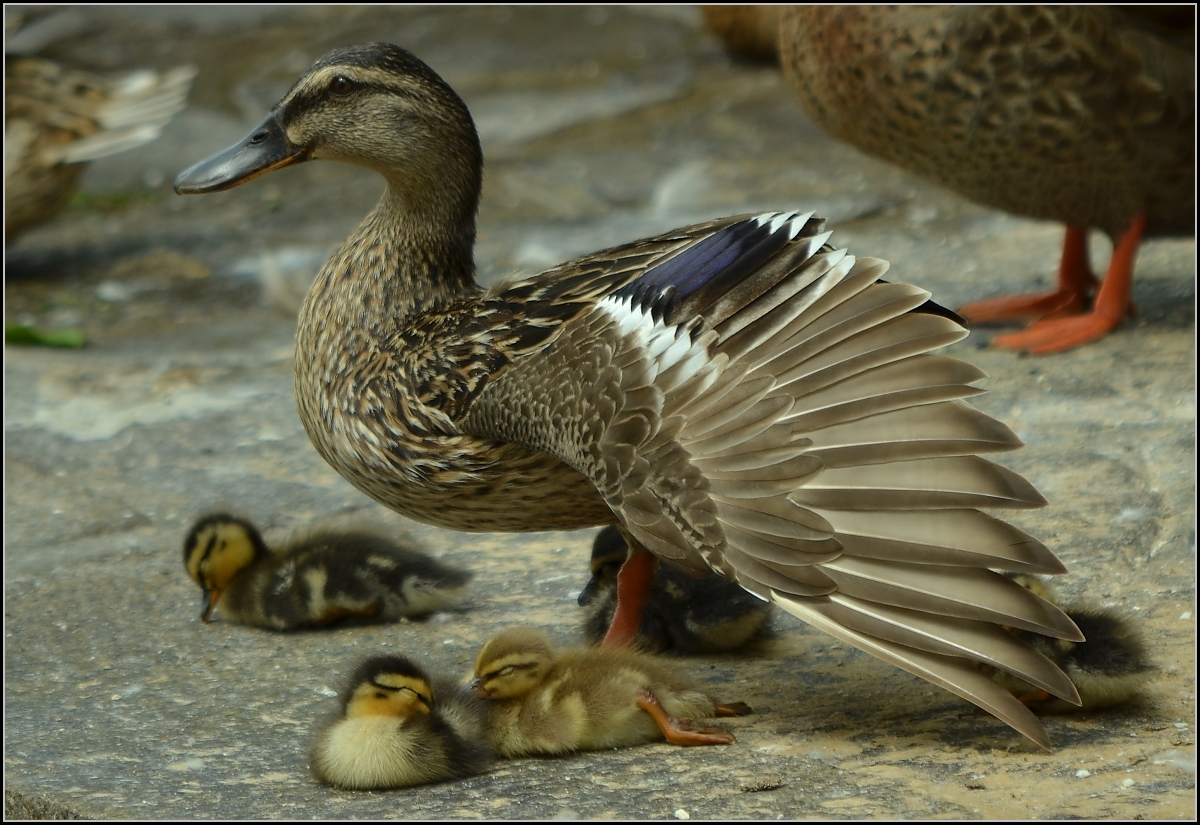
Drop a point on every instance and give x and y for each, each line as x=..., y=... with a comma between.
x=544, y=701
x=399, y=727
x=683, y=614
x=326, y=577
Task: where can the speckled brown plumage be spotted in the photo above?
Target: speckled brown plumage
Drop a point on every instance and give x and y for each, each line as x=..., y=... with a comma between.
x=1082, y=114
x=739, y=396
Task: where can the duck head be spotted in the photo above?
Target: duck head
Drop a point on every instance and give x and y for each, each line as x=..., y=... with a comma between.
x=374, y=105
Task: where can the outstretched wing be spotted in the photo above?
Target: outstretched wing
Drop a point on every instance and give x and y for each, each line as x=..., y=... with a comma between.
x=761, y=404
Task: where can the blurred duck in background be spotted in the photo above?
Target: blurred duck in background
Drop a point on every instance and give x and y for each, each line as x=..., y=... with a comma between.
x=57, y=118
x=1084, y=115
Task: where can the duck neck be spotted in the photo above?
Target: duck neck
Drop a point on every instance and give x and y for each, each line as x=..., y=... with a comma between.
x=406, y=258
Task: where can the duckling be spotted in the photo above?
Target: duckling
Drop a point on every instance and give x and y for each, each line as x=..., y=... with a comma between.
x=398, y=727
x=56, y=119
x=1108, y=669
x=549, y=702
x=742, y=397
x=318, y=580
x=684, y=614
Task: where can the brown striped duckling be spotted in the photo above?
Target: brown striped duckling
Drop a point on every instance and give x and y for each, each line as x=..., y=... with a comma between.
x=317, y=580
x=399, y=727
x=545, y=701
x=1108, y=669
x=682, y=614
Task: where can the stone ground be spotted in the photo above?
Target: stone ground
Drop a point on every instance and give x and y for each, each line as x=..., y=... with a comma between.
x=599, y=125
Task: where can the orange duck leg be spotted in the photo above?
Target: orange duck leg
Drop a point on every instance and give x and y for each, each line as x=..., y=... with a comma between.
x=633, y=589
x=1055, y=332
x=1075, y=287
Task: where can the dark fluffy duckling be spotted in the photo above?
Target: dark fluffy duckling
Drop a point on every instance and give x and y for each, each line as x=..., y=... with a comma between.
x=399, y=727
x=323, y=578
x=683, y=614
x=1108, y=669
x=545, y=701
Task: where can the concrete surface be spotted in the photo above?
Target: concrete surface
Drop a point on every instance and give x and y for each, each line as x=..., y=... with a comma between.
x=599, y=125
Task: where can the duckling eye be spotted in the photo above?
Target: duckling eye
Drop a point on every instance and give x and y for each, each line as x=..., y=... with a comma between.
x=508, y=671
x=341, y=85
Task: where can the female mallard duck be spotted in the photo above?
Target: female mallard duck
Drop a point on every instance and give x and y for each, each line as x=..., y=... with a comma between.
x=323, y=578
x=1108, y=669
x=398, y=727
x=738, y=396
x=1078, y=114
x=548, y=702
x=682, y=614
x=56, y=119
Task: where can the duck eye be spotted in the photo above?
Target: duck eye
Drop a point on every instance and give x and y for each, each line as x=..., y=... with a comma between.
x=508, y=671
x=341, y=85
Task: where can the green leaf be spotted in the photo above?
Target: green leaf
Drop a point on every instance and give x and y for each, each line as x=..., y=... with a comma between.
x=22, y=334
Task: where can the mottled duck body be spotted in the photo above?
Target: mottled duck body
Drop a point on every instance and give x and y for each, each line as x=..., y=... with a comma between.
x=738, y=396
x=1079, y=114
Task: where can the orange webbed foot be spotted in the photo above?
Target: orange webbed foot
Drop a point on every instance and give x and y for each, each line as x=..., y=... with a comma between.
x=1057, y=304
x=733, y=709
x=1060, y=334
x=1113, y=302
x=1076, y=285
x=681, y=731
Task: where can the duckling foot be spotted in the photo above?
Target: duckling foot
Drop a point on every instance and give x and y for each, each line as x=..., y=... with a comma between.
x=1113, y=303
x=733, y=709
x=337, y=613
x=681, y=731
x=1034, y=697
x=633, y=589
x=1076, y=284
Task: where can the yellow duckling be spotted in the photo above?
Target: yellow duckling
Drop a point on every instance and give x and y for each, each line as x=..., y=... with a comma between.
x=398, y=727
x=548, y=702
x=318, y=580
x=683, y=614
x=1108, y=669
